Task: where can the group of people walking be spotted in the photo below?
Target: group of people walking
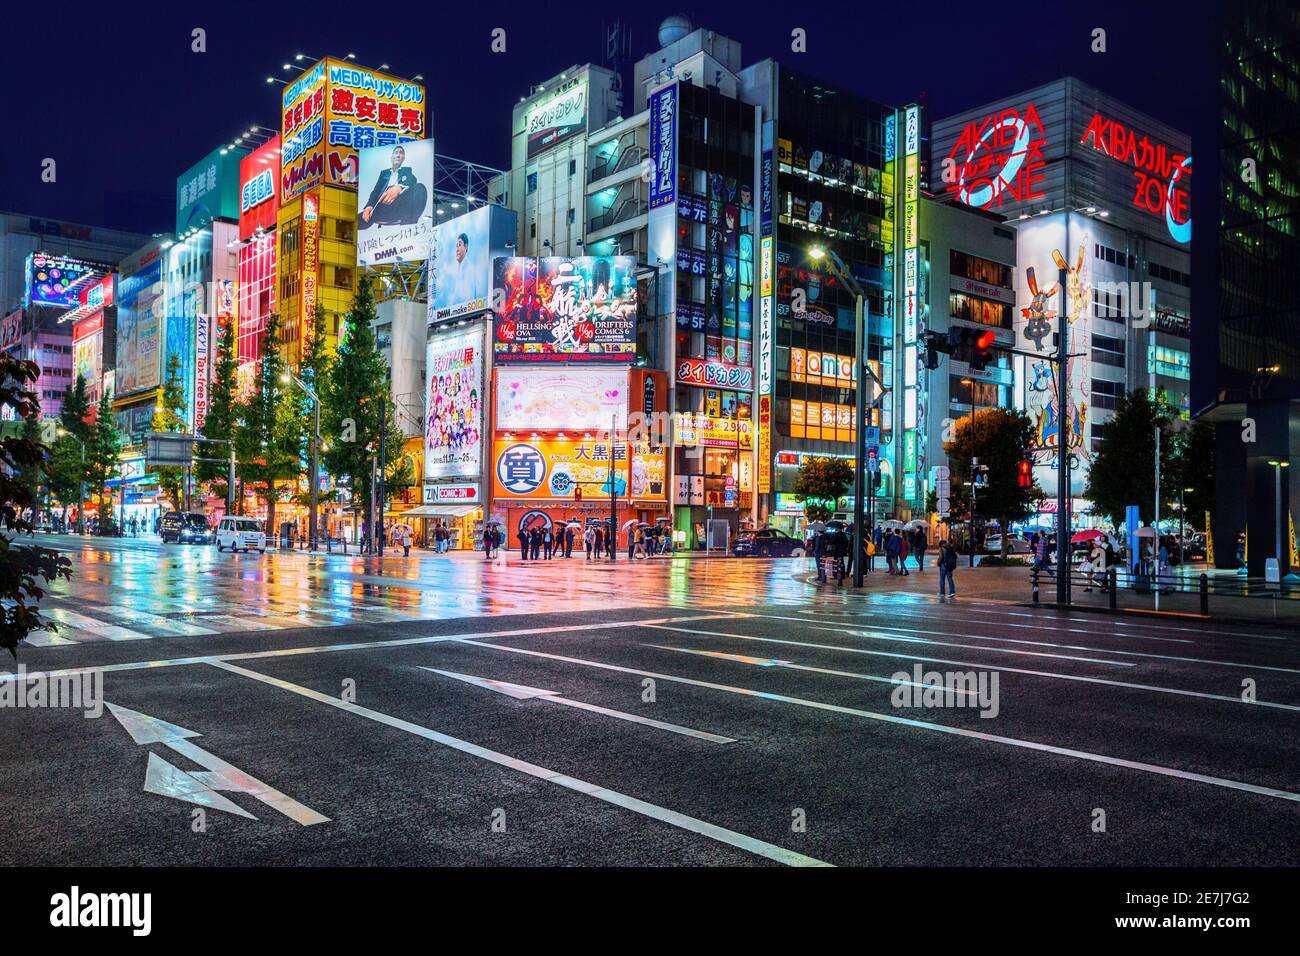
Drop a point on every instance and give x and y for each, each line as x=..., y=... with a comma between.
x=833, y=551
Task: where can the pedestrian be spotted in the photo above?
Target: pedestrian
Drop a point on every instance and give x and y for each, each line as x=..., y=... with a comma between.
x=489, y=541
x=819, y=554
x=891, y=551
x=404, y=536
x=1040, y=554
x=523, y=543
x=598, y=541
x=535, y=539
x=548, y=543
x=947, y=564
x=568, y=540
x=918, y=547
x=839, y=547
x=902, y=555
x=589, y=540
x=1096, y=564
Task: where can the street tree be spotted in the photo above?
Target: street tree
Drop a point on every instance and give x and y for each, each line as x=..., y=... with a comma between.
x=75, y=416
x=820, y=483
x=102, y=454
x=268, y=439
x=25, y=570
x=169, y=416
x=1000, y=438
x=222, y=416
x=356, y=404
x=1191, y=470
x=1123, y=468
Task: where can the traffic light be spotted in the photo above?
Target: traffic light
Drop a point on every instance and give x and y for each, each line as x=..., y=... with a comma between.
x=1024, y=474
x=577, y=492
x=982, y=351
x=935, y=344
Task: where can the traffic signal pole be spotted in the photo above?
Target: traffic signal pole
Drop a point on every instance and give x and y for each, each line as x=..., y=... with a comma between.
x=1063, y=503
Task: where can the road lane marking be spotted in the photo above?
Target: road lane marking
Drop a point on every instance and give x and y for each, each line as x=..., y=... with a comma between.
x=865, y=619
x=1225, y=698
x=522, y=692
x=918, y=724
x=680, y=820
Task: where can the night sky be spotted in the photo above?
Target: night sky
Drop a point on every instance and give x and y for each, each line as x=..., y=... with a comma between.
x=116, y=97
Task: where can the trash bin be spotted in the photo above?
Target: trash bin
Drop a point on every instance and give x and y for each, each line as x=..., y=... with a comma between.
x=1142, y=582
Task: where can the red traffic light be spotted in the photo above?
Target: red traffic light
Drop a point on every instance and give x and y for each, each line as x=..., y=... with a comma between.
x=985, y=340
x=1024, y=474
x=577, y=492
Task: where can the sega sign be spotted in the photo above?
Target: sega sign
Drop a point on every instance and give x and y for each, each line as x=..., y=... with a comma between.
x=257, y=190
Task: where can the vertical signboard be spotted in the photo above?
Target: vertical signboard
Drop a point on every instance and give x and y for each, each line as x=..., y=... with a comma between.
x=453, y=428
x=302, y=132
x=309, y=262
x=913, y=407
x=663, y=146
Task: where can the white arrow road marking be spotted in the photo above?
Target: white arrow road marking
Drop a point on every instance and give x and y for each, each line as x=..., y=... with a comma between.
x=521, y=692
x=200, y=787
x=680, y=820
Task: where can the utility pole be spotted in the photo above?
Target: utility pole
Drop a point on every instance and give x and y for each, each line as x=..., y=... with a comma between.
x=613, y=489
x=1063, y=503
x=383, y=430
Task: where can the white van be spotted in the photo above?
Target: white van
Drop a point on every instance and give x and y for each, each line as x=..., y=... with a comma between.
x=234, y=533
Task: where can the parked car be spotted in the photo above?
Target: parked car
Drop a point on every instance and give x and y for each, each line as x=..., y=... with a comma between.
x=235, y=533
x=1016, y=544
x=767, y=543
x=185, y=527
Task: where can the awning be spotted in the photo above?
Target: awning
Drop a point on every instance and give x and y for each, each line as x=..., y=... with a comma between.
x=439, y=511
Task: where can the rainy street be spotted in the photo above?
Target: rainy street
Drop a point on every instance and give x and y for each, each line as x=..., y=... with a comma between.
x=330, y=709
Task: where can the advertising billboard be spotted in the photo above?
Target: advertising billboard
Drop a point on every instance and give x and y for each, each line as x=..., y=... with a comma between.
x=11, y=329
x=335, y=109
x=209, y=190
x=141, y=311
x=460, y=264
x=1043, y=249
x=58, y=280
x=302, y=133
x=999, y=157
x=88, y=351
x=577, y=400
x=453, y=428
x=578, y=309
x=395, y=203
x=259, y=200
x=562, y=116
x=554, y=468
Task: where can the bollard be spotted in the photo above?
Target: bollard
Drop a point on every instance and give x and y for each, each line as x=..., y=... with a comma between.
x=1113, y=576
x=1205, y=594
x=1034, y=576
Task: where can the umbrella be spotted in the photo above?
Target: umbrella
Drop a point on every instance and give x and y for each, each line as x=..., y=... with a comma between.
x=917, y=523
x=629, y=524
x=891, y=523
x=1089, y=535
x=1147, y=532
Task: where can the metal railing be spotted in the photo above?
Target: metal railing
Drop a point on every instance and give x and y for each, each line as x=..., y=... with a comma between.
x=1146, y=580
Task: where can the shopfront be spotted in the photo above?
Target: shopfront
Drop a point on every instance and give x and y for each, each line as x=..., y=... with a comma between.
x=455, y=506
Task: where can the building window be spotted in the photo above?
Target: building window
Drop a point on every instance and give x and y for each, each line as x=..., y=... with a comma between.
x=532, y=183
x=979, y=269
x=573, y=166
x=1108, y=350
x=972, y=308
x=1106, y=395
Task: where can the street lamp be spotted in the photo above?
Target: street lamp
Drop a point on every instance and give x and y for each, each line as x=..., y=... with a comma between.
x=315, y=454
x=81, y=480
x=1277, y=466
x=970, y=383
x=836, y=267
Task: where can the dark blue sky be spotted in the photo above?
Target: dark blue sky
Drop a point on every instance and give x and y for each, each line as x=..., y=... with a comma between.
x=114, y=94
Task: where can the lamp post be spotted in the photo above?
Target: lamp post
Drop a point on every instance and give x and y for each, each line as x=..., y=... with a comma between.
x=836, y=267
x=315, y=455
x=970, y=383
x=81, y=480
x=1277, y=466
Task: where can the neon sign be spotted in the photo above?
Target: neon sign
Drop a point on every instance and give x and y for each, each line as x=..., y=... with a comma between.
x=999, y=155
x=1157, y=169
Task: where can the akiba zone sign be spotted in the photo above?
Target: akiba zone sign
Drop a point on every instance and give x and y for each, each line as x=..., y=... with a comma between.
x=999, y=158
x=1162, y=175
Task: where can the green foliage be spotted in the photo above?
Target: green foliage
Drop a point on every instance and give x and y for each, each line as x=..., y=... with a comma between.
x=1000, y=438
x=169, y=416
x=355, y=402
x=76, y=410
x=820, y=483
x=268, y=440
x=25, y=570
x=102, y=451
x=1191, y=466
x=1123, y=469
x=222, y=415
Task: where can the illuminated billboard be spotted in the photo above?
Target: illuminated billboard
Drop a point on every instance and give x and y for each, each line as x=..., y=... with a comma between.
x=461, y=256
x=559, y=118
x=1162, y=173
x=997, y=157
x=58, y=280
x=453, y=433
x=395, y=203
x=578, y=309
x=577, y=400
x=333, y=110
x=258, y=197
x=663, y=146
x=209, y=190
x=554, y=468
x=141, y=312
x=1044, y=250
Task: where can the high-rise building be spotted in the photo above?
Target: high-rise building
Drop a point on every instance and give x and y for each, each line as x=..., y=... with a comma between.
x=1097, y=192
x=259, y=180
x=330, y=111
x=21, y=236
x=1247, y=373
